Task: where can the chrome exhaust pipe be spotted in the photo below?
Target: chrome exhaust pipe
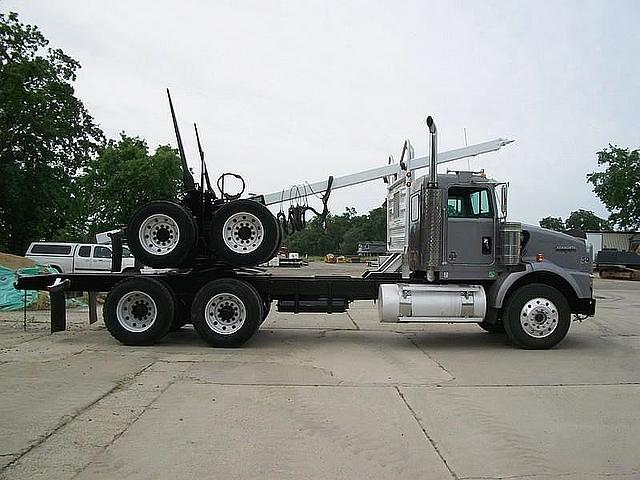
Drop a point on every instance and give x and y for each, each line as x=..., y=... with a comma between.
x=433, y=157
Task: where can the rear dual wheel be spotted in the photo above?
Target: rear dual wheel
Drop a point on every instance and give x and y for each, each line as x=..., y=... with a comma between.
x=227, y=312
x=139, y=311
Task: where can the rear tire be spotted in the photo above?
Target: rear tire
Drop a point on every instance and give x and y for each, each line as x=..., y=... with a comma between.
x=244, y=233
x=182, y=314
x=266, y=308
x=138, y=311
x=162, y=234
x=227, y=312
x=537, y=316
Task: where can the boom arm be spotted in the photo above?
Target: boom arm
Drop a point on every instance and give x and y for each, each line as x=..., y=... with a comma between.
x=385, y=171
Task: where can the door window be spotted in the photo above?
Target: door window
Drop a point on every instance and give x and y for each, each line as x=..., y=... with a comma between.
x=102, y=252
x=465, y=202
x=84, y=251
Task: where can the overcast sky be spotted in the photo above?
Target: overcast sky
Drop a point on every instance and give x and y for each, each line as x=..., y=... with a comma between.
x=287, y=92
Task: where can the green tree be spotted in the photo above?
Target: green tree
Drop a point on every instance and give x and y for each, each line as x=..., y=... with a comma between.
x=47, y=137
x=618, y=186
x=125, y=176
x=552, y=223
x=342, y=235
x=586, y=220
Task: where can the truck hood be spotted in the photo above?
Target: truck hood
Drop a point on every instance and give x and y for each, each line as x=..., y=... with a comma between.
x=559, y=248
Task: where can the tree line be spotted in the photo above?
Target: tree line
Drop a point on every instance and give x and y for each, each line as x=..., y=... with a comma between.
x=617, y=184
x=61, y=179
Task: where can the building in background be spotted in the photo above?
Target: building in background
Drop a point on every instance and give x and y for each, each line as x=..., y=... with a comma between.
x=620, y=241
x=372, y=248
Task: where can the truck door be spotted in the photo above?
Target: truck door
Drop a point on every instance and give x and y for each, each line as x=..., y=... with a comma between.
x=82, y=259
x=470, y=226
x=101, y=258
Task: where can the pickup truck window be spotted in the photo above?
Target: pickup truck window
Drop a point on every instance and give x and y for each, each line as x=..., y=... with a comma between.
x=84, y=251
x=102, y=252
x=51, y=249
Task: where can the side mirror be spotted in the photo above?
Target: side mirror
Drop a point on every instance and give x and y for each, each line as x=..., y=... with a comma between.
x=504, y=195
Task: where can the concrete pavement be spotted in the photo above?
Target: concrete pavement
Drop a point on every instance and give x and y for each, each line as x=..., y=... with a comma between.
x=324, y=397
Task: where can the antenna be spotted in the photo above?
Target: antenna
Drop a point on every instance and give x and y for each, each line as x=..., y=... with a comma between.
x=204, y=173
x=187, y=178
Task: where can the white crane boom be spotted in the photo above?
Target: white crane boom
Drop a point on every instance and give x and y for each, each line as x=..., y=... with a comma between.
x=385, y=171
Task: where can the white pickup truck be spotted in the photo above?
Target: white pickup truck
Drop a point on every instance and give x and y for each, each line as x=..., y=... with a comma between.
x=77, y=257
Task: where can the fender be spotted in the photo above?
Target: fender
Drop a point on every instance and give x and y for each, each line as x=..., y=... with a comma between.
x=497, y=292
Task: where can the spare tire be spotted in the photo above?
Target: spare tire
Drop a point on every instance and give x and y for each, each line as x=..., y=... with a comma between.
x=162, y=234
x=244, y=233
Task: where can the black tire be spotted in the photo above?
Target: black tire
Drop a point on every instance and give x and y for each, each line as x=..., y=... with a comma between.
x=182, y=313
x=135, y=293
x=544, y=311
x=227, y=312
x=266, y=308
x=168, y=215
x=232, y=244
x=497, y=327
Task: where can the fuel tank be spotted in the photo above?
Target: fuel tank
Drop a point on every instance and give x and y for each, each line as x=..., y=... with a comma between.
x=404, y=302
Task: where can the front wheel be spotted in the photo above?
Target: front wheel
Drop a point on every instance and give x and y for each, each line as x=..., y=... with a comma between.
x=537, y=316
x=497, y=327
x=227, y=312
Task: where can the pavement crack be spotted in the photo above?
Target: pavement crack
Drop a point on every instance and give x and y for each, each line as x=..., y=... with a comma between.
x=352, y=320
x=426, y=434
x=149, y=406
x=66, y=419
x=412, y=339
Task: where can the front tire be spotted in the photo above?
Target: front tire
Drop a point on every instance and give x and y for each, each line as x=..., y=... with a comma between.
x=537, y=316
x=162, y=234
x=497, y=327
x=244, y=233
x=227, y=312
x=138, y=311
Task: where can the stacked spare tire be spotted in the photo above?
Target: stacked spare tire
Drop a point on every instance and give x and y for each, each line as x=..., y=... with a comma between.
x=239, y=233
x=205, y=232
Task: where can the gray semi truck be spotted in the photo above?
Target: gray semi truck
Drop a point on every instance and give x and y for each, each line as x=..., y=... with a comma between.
x=454, y=259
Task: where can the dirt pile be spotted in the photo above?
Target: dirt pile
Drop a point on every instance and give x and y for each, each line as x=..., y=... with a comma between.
x=14, y=262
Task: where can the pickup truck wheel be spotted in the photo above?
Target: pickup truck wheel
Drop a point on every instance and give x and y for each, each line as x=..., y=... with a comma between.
x=138, y=311
x=162, y=234
x=537, y=316
x=244, y=233
x=227, y=312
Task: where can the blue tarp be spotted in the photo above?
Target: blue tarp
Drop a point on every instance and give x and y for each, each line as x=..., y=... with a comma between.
x=12, y=299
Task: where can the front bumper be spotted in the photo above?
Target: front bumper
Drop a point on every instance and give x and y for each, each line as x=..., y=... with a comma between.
x=584, y=306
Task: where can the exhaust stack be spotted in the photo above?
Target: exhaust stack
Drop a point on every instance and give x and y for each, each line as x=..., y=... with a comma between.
x=432, y=221
x=433, y=156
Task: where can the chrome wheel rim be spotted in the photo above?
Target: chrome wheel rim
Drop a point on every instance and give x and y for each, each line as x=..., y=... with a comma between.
x=225, y=313
x=243, y=233
x=539, y=317
x=159, y=234
x=136, y=311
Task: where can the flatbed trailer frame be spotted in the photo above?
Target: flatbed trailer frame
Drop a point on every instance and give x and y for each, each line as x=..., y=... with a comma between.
x=296, y=294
